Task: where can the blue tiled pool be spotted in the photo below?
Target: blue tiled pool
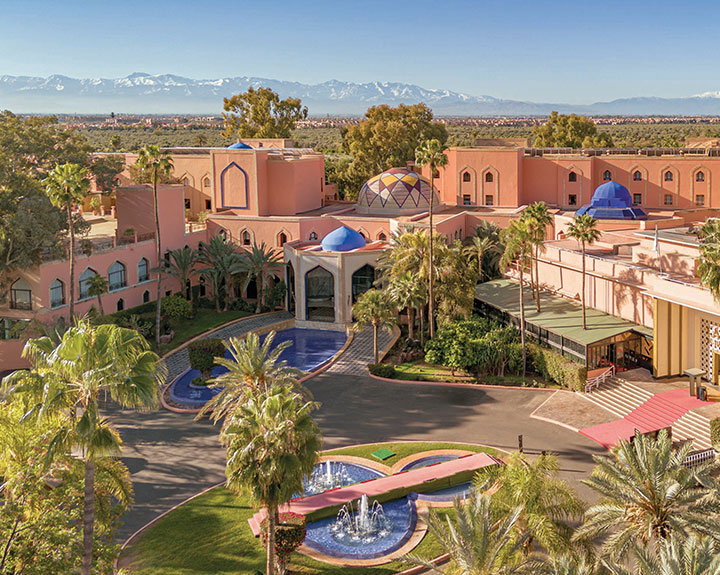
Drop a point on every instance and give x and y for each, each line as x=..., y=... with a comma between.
x=449, y=493
x=310, y=349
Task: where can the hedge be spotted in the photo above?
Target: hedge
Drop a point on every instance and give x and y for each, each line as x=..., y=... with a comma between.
x=715, y=431
x=555, y=367
x=202, y=354
x=382, y=370
x=176, y=307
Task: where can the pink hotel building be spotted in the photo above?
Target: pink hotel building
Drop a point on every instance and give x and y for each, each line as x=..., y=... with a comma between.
x=268, y=191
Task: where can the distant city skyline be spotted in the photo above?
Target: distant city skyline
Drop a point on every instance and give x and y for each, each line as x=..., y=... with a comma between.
x=560, y=51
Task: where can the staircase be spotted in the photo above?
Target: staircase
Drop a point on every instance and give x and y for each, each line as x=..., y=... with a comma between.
x=618, y=396
x=693, y=426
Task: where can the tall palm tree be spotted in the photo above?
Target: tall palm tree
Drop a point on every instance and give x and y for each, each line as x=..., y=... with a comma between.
x=456, y=290
x=518, y=251
x=260, y=262
x=67, y=185
x=214, y=277
x=568, y=564
x=548, y=503
x=272, y=443
x=709, y=263
x=88, y=362
x=477, y=542
x=675, y=556
x=647, y=496
x=583, y=229
x=252, y=368
x=478, y=248
x=374, y=308
x=538, y=218
x=431, y=153
x=407, y=291
x=220, y=254
x=98, y=287
x=181, y=267
x=158, y=162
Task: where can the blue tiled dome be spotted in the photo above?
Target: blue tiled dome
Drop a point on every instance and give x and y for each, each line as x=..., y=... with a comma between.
x=342, y=239
x=612, y=201
x=239, y=146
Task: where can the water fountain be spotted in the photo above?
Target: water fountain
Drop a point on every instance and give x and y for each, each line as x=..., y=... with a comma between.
x=366, y=525
x=327, y=475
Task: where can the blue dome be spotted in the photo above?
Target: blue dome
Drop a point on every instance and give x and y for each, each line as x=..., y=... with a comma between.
x=342, y=239
x=612, y=201
x=239, y=146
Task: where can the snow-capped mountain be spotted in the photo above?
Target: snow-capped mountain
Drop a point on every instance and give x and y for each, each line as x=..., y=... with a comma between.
x=169, y=94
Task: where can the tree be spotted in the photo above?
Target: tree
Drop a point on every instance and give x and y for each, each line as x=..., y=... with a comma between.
x=152, y=160
x=583, y=229
x=569, y=131
x=67, y=185
x=68, y=381
x=547, y=501
x=675, y=556
x=648, y=495
x=374, y=308
x=538, y=219
x=252, y=368
x=407, y=291
x=260, y=113
x=478, y=248
x=272, y=443
x=214, y=277
x=98, y=288
x=181, y=267
x=518, y=252
x=456, y=287
x=709, y=264
x=106, y=169
x=431, y=153
x=221, y=255
x=260, y=262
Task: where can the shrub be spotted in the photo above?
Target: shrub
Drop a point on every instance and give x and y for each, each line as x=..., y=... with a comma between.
x=199, y=381
x=289, y=534
x=176, y=307
x=382, y=370
x=451, y=346
x=555, y=367
x=202, y=354
x=715, y=431
x=274, y=294
x=239, y=305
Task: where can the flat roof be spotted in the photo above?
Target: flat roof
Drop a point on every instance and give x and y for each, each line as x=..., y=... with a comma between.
x=558, y=314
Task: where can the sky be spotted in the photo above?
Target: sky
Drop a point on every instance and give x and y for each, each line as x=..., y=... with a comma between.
x=542, y=51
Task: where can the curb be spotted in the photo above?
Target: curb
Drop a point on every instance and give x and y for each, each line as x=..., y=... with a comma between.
x=463, y=385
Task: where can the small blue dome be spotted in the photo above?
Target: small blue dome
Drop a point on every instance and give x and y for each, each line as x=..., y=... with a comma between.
x=342, y=239
x=239, y=146
x=612, y=201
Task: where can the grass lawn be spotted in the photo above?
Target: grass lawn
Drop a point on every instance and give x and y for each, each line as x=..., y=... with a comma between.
x=204, y=320
x=210, y=534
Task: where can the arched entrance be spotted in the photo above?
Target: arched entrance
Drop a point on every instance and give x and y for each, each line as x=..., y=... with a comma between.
x=362, y=281
x=320, y=295
x=290, y=283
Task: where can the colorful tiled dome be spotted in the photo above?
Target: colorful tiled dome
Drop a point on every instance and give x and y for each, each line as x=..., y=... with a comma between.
x=612, y=201
x=396, y=190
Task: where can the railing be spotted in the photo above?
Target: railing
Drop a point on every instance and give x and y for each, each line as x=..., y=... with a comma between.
x=595, y=382
x=698, y=458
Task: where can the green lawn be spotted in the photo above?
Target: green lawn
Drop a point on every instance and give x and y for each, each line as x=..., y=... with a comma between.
x=421, y=371
x=210, y=534
x=204, y=320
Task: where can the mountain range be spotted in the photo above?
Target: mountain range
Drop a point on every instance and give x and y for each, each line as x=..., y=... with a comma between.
x=141, y=93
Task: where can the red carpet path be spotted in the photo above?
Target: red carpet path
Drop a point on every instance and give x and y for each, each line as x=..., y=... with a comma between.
x=662, y=410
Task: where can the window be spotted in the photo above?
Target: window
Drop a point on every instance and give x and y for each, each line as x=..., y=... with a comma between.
x=187, y=203
x=700, y=200
x=84, y=283
x=466, y=199
x=116, y=276
x=201, y=283
x=637, y=176
x=166, y=258
x=488, y=200
x=382, y=237
x=57, y=294
x=314, y=236
x=246, y=238
x=436, y=174
x=120, y=304
x=168, y=292
x=9, y=328
x=206, y=182
x=143, y=270
x=572, y=200
x=489, y=177
x=362, y=235
x=186, y=182
x=668, y=200
x=637, y=199
x=282, y=239
x=572, y=177
x=668, y=177
x=20, y=295
x=700, y=177
x=466, y=176
x=607, y=176
x=223, y=234
x=146, y=296
x=208, y=205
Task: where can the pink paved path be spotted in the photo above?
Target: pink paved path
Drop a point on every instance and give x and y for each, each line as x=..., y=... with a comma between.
x=376, y=487
x=661, y=410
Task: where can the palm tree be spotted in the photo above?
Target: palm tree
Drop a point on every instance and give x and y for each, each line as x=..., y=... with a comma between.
x=676, y=556
x=221, y=255
x=67, y=185
x=252, y=368
x=547, y=502
x=538, y=218
x=214, y=277
x=584, y=231
x=181, y=267
x=260, y=262
x=456, y=290
x=71, y=376
x=98, y=287
x=568, y=564
x=518, y=250
x=709, y=264
x=158, y=162
x=272, y=443
x=431, y=153
x=374, y=308
x=408, y=291
x=476, y=541
x=478, y=248
x=648, y=495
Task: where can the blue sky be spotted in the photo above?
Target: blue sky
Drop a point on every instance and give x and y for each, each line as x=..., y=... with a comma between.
x=552, y=51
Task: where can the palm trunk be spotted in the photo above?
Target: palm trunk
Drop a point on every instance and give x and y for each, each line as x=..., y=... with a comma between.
x=421, y=313
x=270, y=558
x=481, y=255
x=100, y=306
x=537, y=279
x=71, y=228
x=88, y=517
x=159, y=261
x=259, y=283
x=10, y=540
x=522, y=319
x=582, y=293
x=411, y=322
x=375, y=342
x=431, y=289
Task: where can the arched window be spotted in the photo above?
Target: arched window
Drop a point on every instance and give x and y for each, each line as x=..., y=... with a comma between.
x=700, y=177
x=466, y=176
x=637, y=176
x=668, y=176
x=246, y=238
x=382, y=237
x=282, y=239
x=313, y=236
x=57, y=294
x=206, y=182
x=20, y=295
x=186, y=181
x=489, y=177
x=201, y=283
x=362, y=281
x=223, y=234
x=607, y=176
x=572, y=177
x=146, y=296
x=362, y=235
x=84, y=282
x=116, y=276
x=143, y=270
x=120, y=304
